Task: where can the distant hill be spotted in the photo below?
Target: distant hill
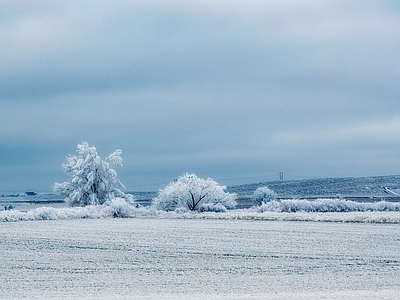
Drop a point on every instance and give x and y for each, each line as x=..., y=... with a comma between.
x=376, y=186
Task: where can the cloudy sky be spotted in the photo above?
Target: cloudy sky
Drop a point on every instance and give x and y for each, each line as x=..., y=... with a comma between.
x=233, y=90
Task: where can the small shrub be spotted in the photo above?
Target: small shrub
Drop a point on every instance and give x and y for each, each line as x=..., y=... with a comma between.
x=263, y=195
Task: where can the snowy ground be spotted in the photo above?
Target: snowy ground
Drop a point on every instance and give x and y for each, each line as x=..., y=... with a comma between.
x=162, y=258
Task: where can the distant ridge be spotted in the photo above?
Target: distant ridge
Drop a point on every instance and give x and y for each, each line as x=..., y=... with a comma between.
x=349, y=187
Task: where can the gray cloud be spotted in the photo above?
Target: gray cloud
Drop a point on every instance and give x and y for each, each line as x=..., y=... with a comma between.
x=227, y=90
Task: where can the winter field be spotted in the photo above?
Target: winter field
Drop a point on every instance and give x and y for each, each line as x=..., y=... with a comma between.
x=170, y=258
x=288, y=248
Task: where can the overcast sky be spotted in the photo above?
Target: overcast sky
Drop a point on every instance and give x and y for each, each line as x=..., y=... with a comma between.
x=233, y=90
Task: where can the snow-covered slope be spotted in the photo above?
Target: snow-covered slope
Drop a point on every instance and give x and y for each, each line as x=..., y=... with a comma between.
x=377, y=186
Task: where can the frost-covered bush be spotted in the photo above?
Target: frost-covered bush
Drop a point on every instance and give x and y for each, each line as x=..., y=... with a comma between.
x=116, y=208
x=93, y=181
x=210, y=207
x=181, y=210
x=263, y=195
x=195, y=194
x=119, y=208
x=327, y=205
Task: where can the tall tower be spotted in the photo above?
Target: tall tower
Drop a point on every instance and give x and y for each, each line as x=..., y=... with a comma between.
x=280, y=176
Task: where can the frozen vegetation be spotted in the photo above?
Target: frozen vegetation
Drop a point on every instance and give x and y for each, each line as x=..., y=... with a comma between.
x=263, y=195
x=192, y=193
x=94, y=192
x=93, y=181
x=327, y=205
x=270, y=204
x=115, y=258
x=328, y=210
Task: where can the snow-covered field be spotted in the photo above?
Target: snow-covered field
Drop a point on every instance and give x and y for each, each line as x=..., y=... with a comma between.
x=180, y=258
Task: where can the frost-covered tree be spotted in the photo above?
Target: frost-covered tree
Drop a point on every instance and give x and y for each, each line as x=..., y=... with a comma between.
x=195, y=194
x=263, y=195
x=93, y=181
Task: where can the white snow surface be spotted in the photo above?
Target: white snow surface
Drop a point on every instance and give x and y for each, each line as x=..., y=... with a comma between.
x=172, y=258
